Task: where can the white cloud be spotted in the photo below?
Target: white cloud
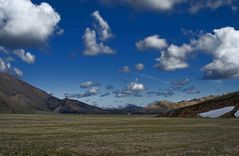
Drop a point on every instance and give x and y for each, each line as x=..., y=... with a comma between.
x=192, y=6
x=25, y=56
x=103, y=28
x=139, y=67
x=223, y=46
x=3, y=50
x=152, y=42
x=6, y=67
x=18, y=72
x=135, y=86
x=93, y=91
x=92, y=48
x=174, y=57
x=89, y=84
x=94, y=44
x=197, y=5
x=160, y=5
x=86, y=84
x=122, y=93
x=24, y=24
x=60, y=31
x=9, y=59
x=125, y=69
x=133, y=89
x=5, y=62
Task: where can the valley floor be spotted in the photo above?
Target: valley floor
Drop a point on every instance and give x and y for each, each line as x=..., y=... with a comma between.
x=62, y=135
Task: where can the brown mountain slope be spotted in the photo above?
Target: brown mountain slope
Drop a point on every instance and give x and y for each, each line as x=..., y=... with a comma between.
x=76, y=107
x=162, y=105
x=218, y=102
x=169, y=106
x=17, y=96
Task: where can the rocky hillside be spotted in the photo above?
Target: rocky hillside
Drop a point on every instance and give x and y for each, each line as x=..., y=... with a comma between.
x=219, y=106
x=162, y=106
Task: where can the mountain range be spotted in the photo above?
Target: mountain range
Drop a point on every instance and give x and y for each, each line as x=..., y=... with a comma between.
x=19, y=97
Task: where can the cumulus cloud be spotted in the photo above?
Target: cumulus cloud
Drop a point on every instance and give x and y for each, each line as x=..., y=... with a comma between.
x=193, y=6
x=18, y=72
x=133, y=89
x=92, y=48
x=24, y=24
x=125, y=69
x=152, y=42
x=95, y=45
x=25, y=56
x=103, y=27
x=139, y=67
x=86, y=84
x=92, y=91
x=6, y=67
x=8, y=57
x=135, y=86
x=223, y=46
x=174, y=57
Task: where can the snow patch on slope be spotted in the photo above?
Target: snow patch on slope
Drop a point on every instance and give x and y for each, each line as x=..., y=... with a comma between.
x=237, y=114
x=216, y=113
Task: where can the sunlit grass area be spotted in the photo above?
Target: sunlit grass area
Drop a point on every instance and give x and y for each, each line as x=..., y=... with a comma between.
x=116, y=135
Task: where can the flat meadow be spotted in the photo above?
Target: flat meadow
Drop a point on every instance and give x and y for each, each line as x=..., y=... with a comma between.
x=116, y=135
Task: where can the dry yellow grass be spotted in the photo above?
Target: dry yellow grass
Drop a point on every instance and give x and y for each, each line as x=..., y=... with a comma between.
x=53, y=135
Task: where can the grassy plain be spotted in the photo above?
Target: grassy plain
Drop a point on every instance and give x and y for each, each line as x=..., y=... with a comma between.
x=66, y=135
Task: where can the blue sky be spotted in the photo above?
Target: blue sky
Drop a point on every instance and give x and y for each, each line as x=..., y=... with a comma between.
x=199, y=56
